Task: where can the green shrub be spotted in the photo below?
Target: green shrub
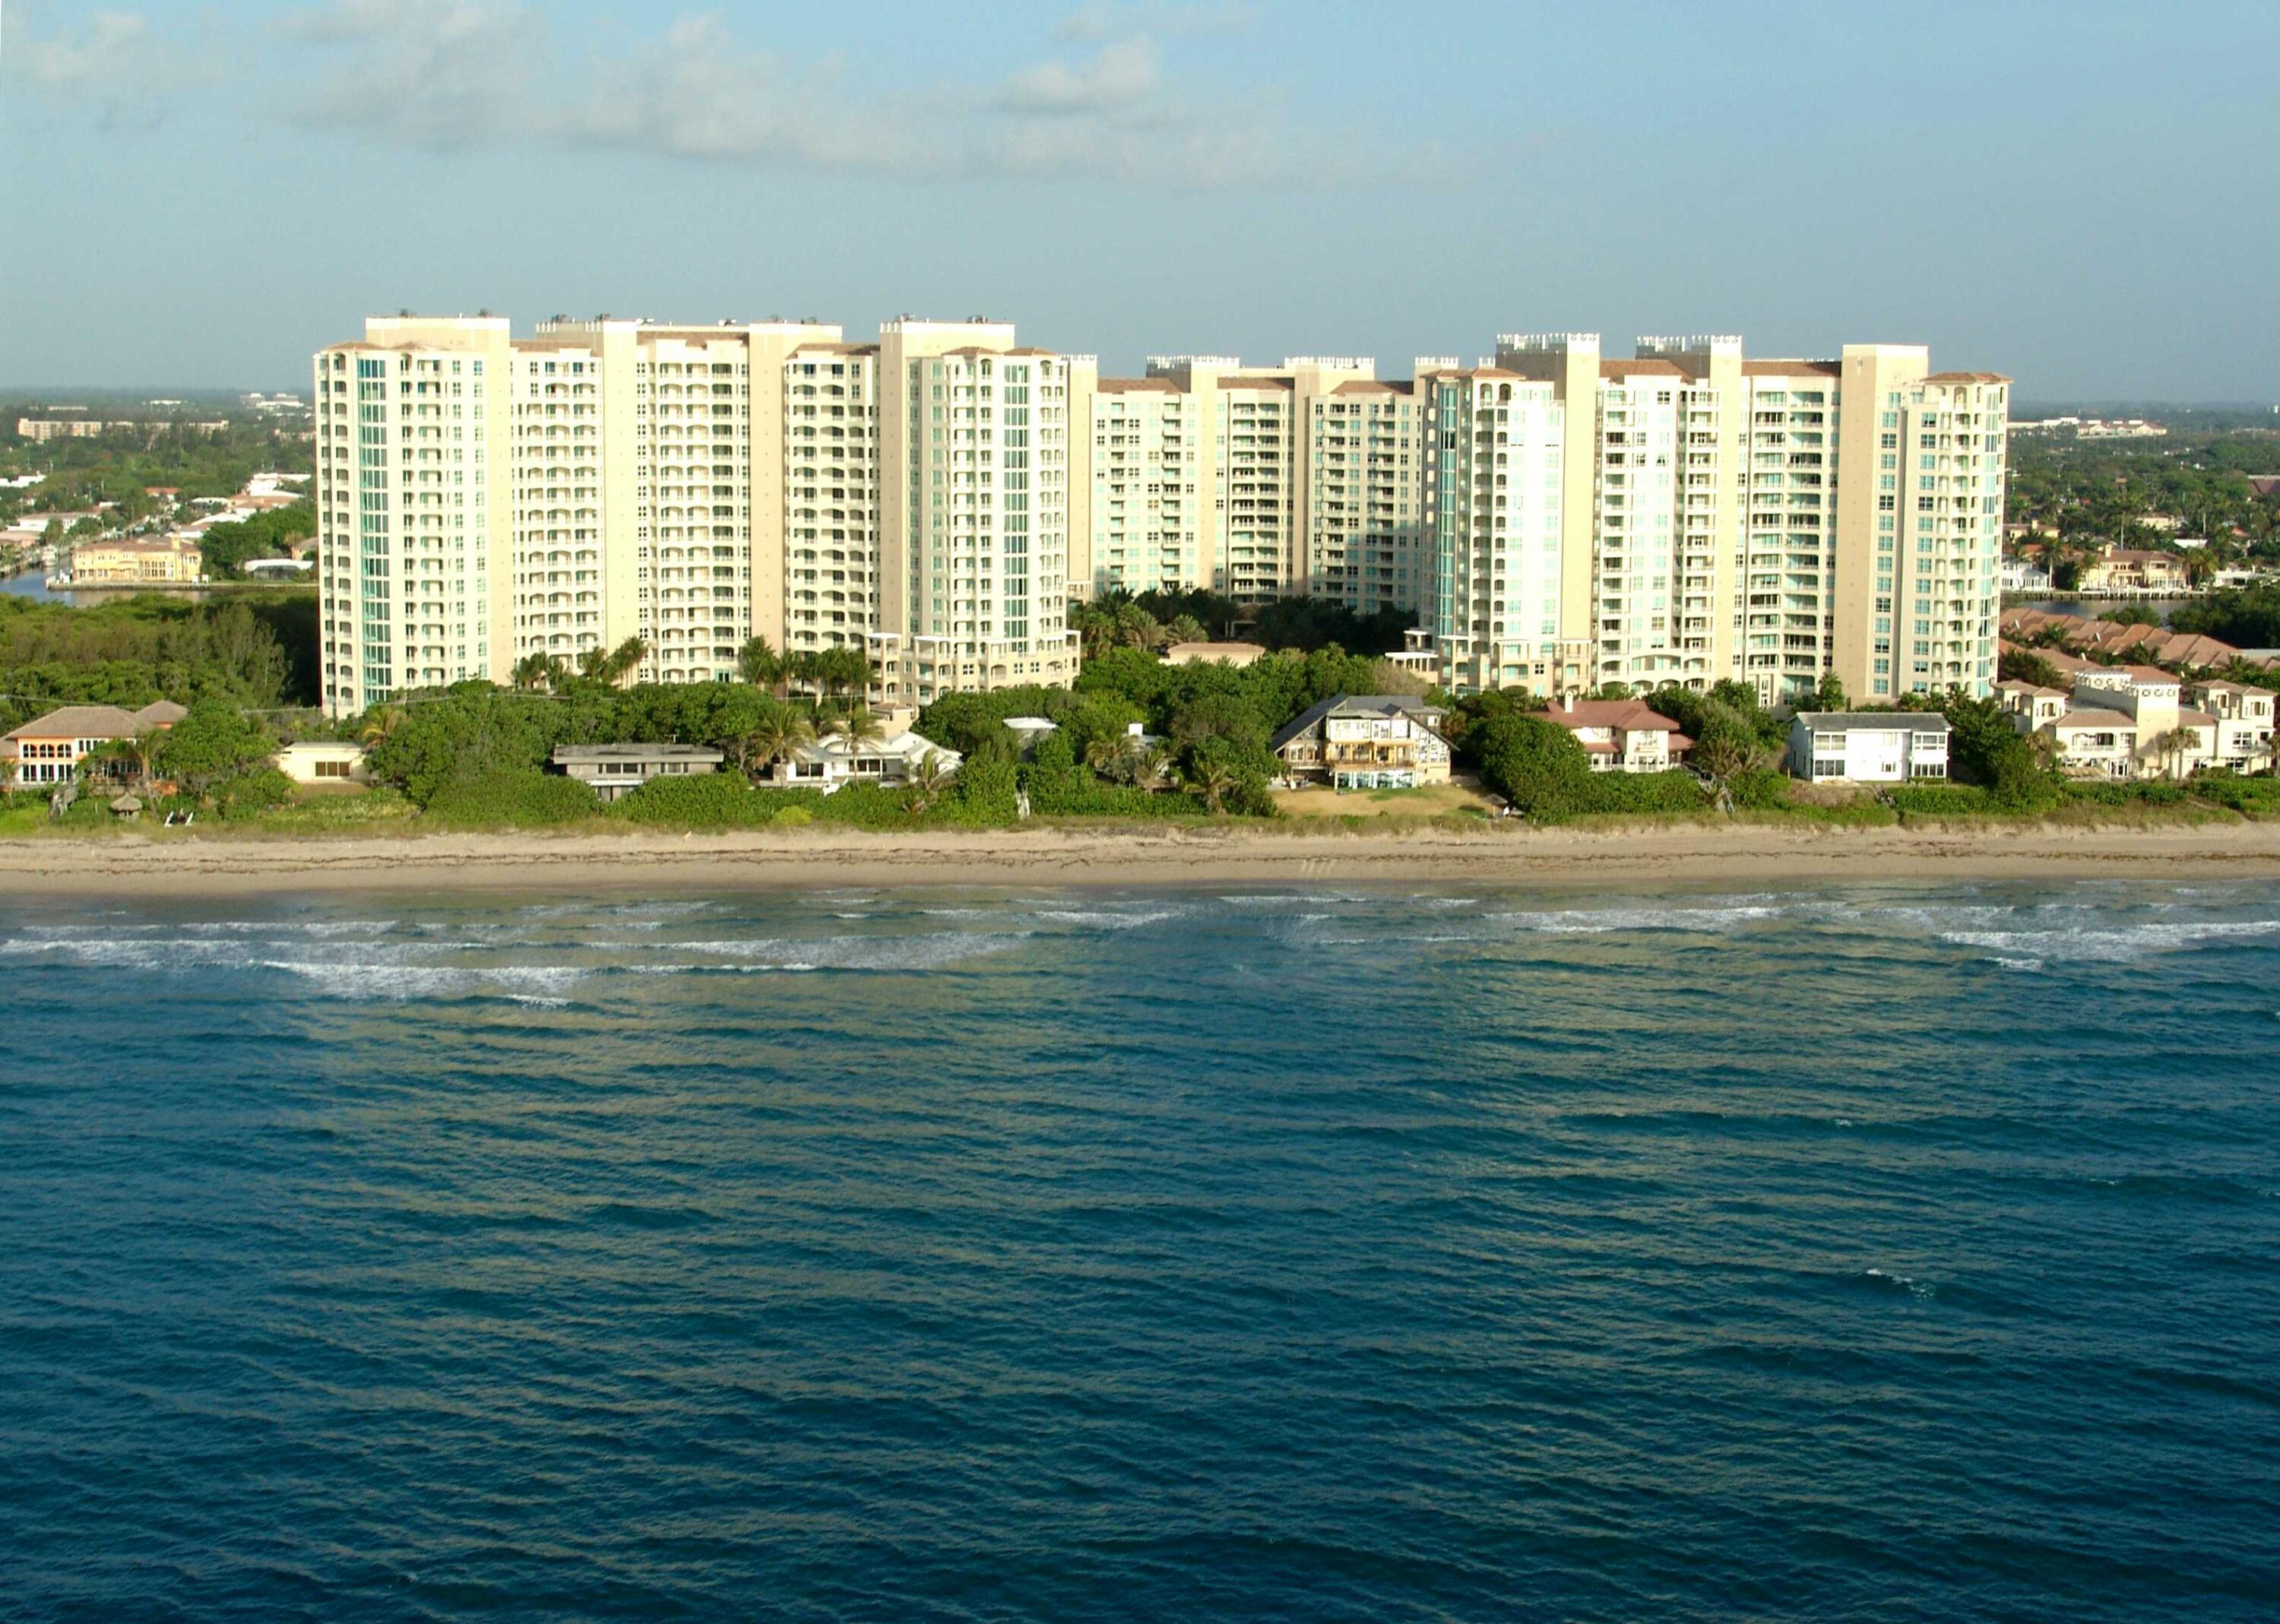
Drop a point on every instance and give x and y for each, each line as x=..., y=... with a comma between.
x=1938, y=800
x=983, y=795
x=1861, y=814
x=90, y=811
x=1672, y=791
x=1761, y=790
x=251, y=794
x=359, y=809
x=2156, y=793
x=864, y=806
x=513, y=800
x=2252, y=798
x=704, y=801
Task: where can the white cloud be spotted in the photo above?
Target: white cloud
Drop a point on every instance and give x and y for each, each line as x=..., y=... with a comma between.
x=426, y=72
x=698, y=94
x=1117, y=77
x=441, y=74
x=115, y=67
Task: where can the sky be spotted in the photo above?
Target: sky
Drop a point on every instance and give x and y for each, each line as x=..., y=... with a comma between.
x=2076, y=193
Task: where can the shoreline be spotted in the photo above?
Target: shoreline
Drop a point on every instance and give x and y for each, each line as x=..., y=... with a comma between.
x=196, y=867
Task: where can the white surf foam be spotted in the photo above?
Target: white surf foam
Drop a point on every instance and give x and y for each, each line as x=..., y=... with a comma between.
x=2110, y=943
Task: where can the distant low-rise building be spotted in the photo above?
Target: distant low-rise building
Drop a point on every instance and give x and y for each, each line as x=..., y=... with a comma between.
x=1868, y=747
x=1236, y=654
x=1622, y=736
x=2023, y=575
x=1366, y=742
x=2134, y=569
x=168, y=562
x=615, y=770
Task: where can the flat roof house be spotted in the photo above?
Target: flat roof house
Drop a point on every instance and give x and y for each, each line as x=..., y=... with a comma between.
x=1366, y=742
x=1868, y=747
x=1236, y=654
x=612, y=771
x=323, y=761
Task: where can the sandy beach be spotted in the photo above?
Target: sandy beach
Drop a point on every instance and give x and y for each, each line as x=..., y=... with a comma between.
x=193, y=867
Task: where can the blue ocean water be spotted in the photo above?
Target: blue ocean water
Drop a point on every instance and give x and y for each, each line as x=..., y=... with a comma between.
x=1409, y=1254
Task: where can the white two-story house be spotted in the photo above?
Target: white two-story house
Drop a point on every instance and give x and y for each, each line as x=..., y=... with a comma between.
x=2244, y=723
x=1868, y=747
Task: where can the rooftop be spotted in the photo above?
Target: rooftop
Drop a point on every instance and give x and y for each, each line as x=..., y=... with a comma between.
x=1914, y=722
x=99, y=721
x=580, y=754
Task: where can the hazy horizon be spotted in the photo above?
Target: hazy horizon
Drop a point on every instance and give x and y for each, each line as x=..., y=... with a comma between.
x=2063, y=192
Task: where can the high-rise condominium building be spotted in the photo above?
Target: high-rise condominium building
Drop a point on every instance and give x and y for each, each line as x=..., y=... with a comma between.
x=1734, y=519
x=483, y=498
x=1555, y=519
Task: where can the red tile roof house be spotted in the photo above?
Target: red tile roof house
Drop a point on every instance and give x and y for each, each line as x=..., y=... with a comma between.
x=1622, y=736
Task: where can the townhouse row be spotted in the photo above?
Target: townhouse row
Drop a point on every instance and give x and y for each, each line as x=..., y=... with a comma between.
x=2141, y=721
x=1553, y=518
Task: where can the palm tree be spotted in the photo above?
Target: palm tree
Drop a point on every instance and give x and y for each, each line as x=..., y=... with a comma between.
x=381, y=724
x=1187, y=628
x=1094, y=623
x=840, y=671
x=758, y=663
x=2166, y=748
x=929, y=776
x=1147, y=764
x=534, y=671
x=855, y=727
x=781, y=730
x=1214, y=780
x=1106, y=753
x=623, y=660
x=1137, y=628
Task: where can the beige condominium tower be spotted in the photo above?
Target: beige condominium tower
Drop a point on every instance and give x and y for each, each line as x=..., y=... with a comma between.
x=983, y=480
x=483, y=498
x=1729, y=519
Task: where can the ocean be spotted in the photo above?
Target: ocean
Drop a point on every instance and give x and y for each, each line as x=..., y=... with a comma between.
x=1416, y=1252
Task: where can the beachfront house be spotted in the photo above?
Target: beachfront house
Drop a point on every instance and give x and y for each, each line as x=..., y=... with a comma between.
x=323, y=761
x=829, y=764
x=2031, y=706
x=2170, y=741
x=2243, y=717
x=47, y=749
x=1868, y=747
x=1621, y=736
x=1365, y=742
x=613, y=771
